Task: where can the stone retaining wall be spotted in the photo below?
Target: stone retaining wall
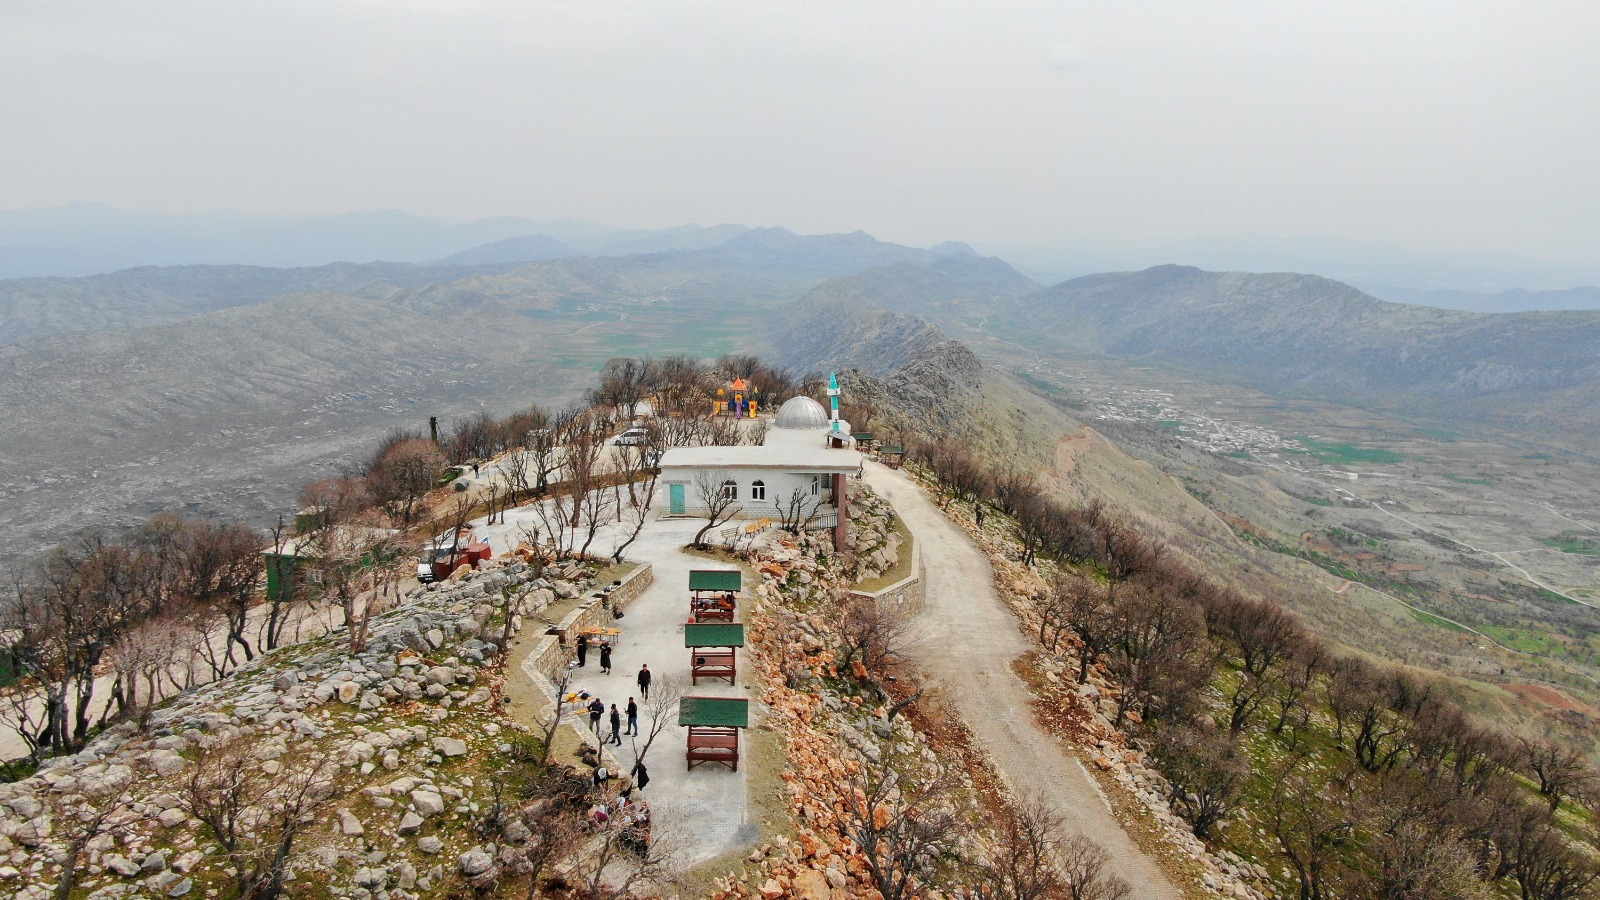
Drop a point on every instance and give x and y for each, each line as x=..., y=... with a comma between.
x=908, y=590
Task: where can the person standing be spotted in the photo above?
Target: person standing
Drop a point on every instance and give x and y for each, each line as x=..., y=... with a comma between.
x=596, y=710
x=605, y=659
x=583, y=649
x=644, y=682
x=633, y=717
x=616, y=726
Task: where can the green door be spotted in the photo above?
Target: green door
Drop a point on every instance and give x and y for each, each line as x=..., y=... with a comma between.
x=675, y=499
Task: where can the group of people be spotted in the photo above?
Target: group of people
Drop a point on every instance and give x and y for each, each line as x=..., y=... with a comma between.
x=597, y=707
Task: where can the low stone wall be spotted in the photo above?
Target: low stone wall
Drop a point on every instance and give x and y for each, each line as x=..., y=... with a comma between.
x=908, y=590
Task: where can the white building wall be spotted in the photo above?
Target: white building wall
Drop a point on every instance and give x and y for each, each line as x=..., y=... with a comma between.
x=779, y=487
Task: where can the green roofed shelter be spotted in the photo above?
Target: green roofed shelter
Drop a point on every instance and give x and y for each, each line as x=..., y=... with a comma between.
x=715, y=634
x=713, y=724
x=717, y=712
x=715, y=580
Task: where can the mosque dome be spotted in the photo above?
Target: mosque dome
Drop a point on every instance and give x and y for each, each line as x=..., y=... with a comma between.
x=802, y=412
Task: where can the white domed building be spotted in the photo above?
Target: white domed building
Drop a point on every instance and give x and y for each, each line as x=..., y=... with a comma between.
x=798, y=475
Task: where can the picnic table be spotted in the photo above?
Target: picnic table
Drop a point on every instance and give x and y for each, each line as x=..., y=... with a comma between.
x=714, y=724
x=712, y=609
x=601, y=634
x=713, y=650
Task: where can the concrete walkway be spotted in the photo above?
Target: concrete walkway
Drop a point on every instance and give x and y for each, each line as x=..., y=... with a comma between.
x=966, y=641
x=699, y=814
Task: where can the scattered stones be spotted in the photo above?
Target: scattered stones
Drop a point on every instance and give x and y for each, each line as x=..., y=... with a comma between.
x=475, y=862
x=450, y=746
x=349, y=824
x=427, y=803
x=430, y=844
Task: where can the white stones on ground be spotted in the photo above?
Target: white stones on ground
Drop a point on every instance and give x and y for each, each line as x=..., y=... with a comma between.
x=391, y=759
x=427, y=803
x=121, y=865
x=173, y=817
x=443, y=675
x=155, y=862
x=434, y=637
x=368, y=877
x=450, y=746
x=349, y=824
x=165, y=762
x=429, y=844
x=272, y=767
x=410, y=823
x=349, y=691
x=475, y=862
x=180, y=888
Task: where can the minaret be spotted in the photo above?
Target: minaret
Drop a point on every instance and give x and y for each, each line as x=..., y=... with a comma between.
x=833, y=398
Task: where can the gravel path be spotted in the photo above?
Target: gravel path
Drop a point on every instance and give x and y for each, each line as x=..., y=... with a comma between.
x=966, y=640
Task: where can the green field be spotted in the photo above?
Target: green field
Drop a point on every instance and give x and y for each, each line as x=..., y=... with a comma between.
x=1573, y=542
x=1429, y=619
x=1462, y=479
x=1347, y=454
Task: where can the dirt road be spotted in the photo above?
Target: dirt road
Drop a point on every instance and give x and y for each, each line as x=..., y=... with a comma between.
x=966, y=640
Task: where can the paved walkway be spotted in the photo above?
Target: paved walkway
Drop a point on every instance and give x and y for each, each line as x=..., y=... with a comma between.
x=700, y=814
x=966, y=640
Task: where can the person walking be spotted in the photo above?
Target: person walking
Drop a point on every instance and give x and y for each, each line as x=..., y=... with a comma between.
x=596, y=710
x=644, y=682
x=633, y=717
x=583, y=649
x=605, y=659
x=616, y=726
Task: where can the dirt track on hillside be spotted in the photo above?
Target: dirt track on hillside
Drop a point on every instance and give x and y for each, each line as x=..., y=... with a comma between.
x=966, y=640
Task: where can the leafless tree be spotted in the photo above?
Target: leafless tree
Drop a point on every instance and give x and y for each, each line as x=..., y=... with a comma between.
x=558, y=671
x=624, y=383
x=717, y=502
x=638, y=482
x=255, y=818
x=1036, y=859
x=659, y=711
x=1311, y=823
x=1206, y=772
x=402, y=473
x=612, y=866
x=797, y=511
x=144, y=657
x=1560, y=770
x=872, y=633
x=896, y=810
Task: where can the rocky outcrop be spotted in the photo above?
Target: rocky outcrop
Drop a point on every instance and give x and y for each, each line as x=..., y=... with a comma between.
x=410, y=725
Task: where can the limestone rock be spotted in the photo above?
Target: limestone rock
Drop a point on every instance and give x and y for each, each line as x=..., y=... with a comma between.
x=429, y=844
x=450, y=746
x=427, y=803
x=475, y=862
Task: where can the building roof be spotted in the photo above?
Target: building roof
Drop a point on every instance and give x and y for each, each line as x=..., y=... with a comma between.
x=802, y=412
x=787, y=457
x=722, y=712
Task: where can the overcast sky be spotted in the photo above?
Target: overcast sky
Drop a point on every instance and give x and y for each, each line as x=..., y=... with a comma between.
x=1451, y=126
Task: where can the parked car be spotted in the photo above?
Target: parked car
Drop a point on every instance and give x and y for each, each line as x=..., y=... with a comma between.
x=633, y=437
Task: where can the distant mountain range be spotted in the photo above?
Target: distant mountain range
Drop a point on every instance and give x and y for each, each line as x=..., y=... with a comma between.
x=1518, y=300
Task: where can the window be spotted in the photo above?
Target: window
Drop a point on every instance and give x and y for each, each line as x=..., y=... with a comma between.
x=758, y=490
x=730, y=490
x=816, y=485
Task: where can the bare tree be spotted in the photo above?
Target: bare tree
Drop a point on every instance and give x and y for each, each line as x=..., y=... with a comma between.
x=1311, y=823
x=1035, y=859
x=797, y=511
x=638, y=474
x=872, y=633
x=896, y=810
x=718, y=497
x=1206, y=773
x=254, y=817
x=660, y=710
x=403, y=472
x=1561, y=771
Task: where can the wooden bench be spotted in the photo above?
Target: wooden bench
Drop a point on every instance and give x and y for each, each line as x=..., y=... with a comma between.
x=711, y=744
x=713, y=664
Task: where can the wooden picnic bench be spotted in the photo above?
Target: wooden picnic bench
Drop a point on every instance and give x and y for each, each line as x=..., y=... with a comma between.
x=713, y=744
x=714, y=724
x=714, y=664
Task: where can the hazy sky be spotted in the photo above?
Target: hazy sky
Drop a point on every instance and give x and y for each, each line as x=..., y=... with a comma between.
x=1453, y=126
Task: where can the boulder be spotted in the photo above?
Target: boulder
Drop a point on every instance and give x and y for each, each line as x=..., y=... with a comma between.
x=173, y=817
x=811, y=885
x=475, y=862
x=410, y=823
x=349, y=824
x=450, y=746
x=430, y=844
x=427, y=803
x=121, y=865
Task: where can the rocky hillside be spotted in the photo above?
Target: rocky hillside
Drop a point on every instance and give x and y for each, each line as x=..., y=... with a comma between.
x=396, y=749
